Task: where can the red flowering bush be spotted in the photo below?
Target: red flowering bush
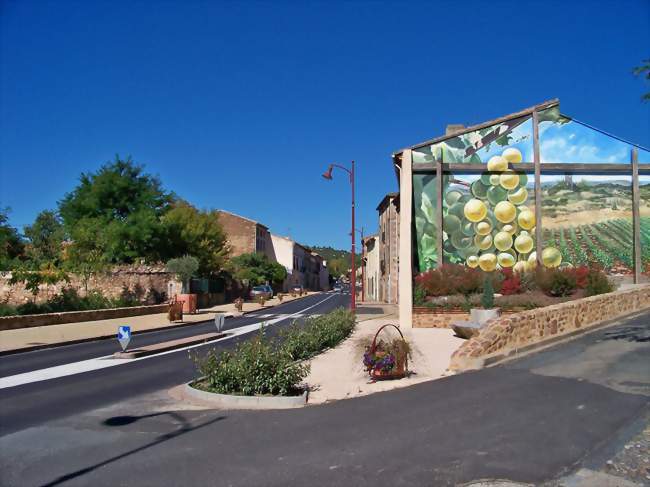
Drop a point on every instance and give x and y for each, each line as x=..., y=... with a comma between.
x=511, y=283
x=450, y=279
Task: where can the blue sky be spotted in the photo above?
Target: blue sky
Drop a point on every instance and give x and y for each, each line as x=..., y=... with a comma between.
x=241, y=105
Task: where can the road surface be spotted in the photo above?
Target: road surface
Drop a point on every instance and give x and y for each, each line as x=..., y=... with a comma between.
x=533, y=420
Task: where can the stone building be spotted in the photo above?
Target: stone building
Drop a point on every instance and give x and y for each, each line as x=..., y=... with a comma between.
x=388, y=248
x=371, y=272
x=245, y=235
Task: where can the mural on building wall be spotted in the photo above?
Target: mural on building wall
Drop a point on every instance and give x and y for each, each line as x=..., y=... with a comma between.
x=424, y=204
x=489, y=219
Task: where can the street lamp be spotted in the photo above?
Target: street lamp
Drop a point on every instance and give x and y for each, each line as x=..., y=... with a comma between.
x=328, y=175
x=363, y=266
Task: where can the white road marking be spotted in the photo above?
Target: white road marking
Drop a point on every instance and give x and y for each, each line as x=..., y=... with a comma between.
x=108, y=360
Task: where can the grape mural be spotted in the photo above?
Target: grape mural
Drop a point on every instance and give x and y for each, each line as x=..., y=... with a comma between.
x=489, y=221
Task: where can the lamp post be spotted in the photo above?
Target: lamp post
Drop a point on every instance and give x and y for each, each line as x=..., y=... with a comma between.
x=328, y=175
x=363, y=266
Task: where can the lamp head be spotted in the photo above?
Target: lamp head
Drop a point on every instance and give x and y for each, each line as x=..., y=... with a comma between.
x=328, y=174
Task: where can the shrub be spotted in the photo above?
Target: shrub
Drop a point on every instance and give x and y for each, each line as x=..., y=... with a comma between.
x=597, y=283
x=556, y=282
x=7, y=310
x=419, y=296
x=317, y=334
x=487, y=299
x=256, y=367
x=511, y=283
x=266, y=366
x=450, y=279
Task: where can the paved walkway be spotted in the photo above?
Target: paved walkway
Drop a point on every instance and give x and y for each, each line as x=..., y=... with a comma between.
x=38, y=336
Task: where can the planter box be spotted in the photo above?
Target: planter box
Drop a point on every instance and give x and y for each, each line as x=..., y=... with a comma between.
x=189, y=302
x=424, y=317
x=227, y=401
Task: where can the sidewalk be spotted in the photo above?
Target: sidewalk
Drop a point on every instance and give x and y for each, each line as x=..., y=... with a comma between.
x=40, y=336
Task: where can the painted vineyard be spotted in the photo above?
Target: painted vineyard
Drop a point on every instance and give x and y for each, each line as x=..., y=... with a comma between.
x=606, y=243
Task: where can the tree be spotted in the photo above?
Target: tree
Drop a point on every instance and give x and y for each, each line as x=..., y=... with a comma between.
x=184, y=268
x=197, y=233
x=11, y=244
x=45, y=237
x=257, y=269
x=120, y=209
x=644, y=71
x=47, y=274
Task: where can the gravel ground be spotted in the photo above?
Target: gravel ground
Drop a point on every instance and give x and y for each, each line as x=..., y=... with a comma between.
x=632, y=462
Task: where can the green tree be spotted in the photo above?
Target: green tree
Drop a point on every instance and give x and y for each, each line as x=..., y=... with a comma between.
x=119, y=208
x=197, y=233
x=12, y=246
x=257, y=269
x=184, y=268
x=644, y=71
x=45, y=238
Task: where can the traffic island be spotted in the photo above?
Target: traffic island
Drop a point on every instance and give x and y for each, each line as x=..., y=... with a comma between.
x=166, y=346
x=229, y=401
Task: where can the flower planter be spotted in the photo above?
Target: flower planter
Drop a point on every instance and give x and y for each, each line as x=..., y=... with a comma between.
x=189, y=302
x=482, y=316
x=383, y=364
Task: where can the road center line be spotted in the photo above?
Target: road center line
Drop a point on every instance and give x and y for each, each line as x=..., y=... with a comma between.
x=108, y=360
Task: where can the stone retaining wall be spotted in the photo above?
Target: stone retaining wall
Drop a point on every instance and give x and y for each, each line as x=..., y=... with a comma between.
x=145, y=282
x=28, y=321
x=505, y=335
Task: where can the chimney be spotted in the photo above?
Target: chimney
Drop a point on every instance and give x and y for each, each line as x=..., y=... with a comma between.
x=454, y=127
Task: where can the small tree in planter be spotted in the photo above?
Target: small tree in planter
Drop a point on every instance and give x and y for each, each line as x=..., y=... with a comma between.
x=184, y=268
x=488, y=312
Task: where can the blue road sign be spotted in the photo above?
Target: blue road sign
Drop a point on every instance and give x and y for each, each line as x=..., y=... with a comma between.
x=124, y=332
x=124, y=336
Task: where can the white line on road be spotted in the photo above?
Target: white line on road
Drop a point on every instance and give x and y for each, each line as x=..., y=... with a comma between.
x=108, y=360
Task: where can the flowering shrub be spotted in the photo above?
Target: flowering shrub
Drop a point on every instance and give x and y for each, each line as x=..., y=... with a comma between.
x=511, y=283
x=450, y=279
x=556, y=282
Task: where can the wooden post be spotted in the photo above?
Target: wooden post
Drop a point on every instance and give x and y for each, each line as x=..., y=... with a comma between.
x=440, y=188
x=538, y=189
x=636, y=217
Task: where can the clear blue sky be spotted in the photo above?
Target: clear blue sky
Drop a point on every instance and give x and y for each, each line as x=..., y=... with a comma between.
x=241, y=105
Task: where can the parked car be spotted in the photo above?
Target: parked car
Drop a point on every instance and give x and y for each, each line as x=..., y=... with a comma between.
x=337, y=288
x=297, y=289
x=265, y=290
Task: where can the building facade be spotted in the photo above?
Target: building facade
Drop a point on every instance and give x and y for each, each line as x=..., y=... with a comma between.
x=533, y=188
x=245, y=235
x=371, y=271
x=304, y=267
x=388, y=249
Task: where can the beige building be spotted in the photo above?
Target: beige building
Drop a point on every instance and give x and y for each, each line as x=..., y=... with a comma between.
x=304, y=267
x=388, y=248
x=371, y=273
x=245, y=235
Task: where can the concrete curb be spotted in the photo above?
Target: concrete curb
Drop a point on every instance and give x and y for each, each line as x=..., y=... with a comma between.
x=147, y=330
x=227, y=401
x=170, y=345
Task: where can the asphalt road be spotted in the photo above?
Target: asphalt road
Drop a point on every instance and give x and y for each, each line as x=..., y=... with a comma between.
x=531, y=420
x=39, y=402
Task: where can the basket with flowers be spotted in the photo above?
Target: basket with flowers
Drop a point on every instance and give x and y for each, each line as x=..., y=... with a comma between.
x=387, y=359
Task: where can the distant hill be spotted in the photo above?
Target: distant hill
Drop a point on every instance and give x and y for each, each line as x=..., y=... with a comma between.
x=338, y=261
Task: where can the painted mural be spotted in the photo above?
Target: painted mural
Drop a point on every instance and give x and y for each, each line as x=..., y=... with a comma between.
x=489, y=219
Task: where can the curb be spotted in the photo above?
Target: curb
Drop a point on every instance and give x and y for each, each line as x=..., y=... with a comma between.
x=171, y=345
x=112, y=336
x=227, y=401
